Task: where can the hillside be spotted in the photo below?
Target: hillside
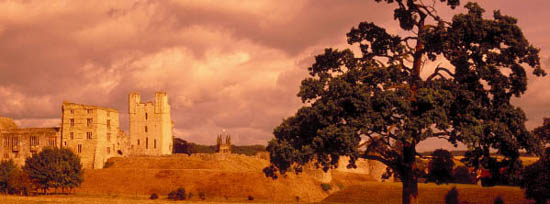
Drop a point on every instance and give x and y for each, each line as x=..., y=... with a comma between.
x=220, y=177
x=376, y=192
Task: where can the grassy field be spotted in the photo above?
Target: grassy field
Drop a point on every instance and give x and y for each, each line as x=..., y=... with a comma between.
x=367, y=192
x=375, y=192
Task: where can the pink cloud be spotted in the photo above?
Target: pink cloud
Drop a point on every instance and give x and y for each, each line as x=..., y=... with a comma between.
x=226, y=65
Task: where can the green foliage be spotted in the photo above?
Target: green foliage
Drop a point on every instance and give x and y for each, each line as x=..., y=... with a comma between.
x=462, y=175
x=326, y=187
x=7, y=169
x=543, y=131
x=172, y=195
x=154, y=196
x=536, y=179
x=54, y=168
x=441, y=167
x=180, y=194
x=12, y=179
x=182, y=146
x=202, y=195
x=379, y=95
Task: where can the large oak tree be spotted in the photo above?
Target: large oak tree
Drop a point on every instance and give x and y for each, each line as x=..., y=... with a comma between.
x=379, y=95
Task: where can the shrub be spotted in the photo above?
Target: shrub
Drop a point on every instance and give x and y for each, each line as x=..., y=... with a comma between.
x=154, y=196
x=326, y=187
x=108, y=164
x=536, y=179
x=202, y=196
x=180, y=194
x=7, y=168
x=462, y=175
x=498, y=200
x=172, y=195
x=452, y=196
x=441, y=167
x=19, y=183
x=250, y=197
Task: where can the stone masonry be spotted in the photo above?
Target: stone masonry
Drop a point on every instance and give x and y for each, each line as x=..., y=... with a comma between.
x=92, y=132
x=150, y=125
x=19, y=143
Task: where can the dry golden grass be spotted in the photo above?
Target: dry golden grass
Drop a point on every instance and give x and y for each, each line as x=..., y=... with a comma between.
x=375, y=192
x=230, y=178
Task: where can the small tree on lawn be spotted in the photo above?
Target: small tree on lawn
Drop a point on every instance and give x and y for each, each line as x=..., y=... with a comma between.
x=54, y=168
x=536, y=179
x=441, y=167
x=7, y=169
x=381, y=96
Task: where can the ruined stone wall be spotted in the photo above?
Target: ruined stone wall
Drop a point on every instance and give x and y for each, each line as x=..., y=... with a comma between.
x=20, y=143
x=91, y=132
x=150, y=125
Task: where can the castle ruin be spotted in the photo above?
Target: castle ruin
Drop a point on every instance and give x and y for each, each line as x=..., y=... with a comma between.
x=150, y=125
x=19, y=143
x=94, y=133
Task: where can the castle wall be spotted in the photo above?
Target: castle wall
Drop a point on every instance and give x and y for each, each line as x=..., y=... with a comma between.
x=150, y=125
x=91, y=132
x=19, y=143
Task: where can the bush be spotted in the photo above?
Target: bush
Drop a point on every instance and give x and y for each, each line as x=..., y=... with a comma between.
x=180, y=194
x=536, y=179
x=7, y=168
x=108, y=164
x=154, y=196
x=202, y=196
x=13, y=180
x=172, y=195
x=250, y=197
x=326, y=187
x=452, y=196
x=462, y=175
x=19, y=183
x=441, y=167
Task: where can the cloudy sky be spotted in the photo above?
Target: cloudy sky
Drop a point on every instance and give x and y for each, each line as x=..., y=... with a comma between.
x=228, y=64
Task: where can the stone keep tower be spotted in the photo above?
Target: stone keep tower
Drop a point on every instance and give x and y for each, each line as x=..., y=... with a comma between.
x=150, y=125
x=92, y=132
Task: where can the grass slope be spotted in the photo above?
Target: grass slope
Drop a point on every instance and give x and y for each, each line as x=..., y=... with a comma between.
x=375, y=192
x=222, y=178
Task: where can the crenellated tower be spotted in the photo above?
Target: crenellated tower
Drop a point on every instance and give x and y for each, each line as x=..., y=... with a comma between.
x=150, y=125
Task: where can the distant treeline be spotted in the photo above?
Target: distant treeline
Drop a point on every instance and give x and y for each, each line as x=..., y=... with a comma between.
x=183, y=147
x=462, y=152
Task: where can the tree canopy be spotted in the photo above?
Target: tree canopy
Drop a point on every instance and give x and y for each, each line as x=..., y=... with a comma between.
x=54, y=168
x=379, y=95
x=441, y=167
x=536, y=179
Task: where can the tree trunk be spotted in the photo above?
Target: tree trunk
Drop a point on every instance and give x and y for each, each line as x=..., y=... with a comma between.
x=410, y=190
x=408, y=176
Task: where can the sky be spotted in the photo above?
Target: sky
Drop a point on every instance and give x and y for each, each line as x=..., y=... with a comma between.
x=234, y=65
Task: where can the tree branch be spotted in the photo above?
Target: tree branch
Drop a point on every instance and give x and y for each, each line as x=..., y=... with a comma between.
x=436, y=73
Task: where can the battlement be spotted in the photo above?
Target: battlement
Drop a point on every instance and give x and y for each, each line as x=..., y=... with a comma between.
x=150, y=125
